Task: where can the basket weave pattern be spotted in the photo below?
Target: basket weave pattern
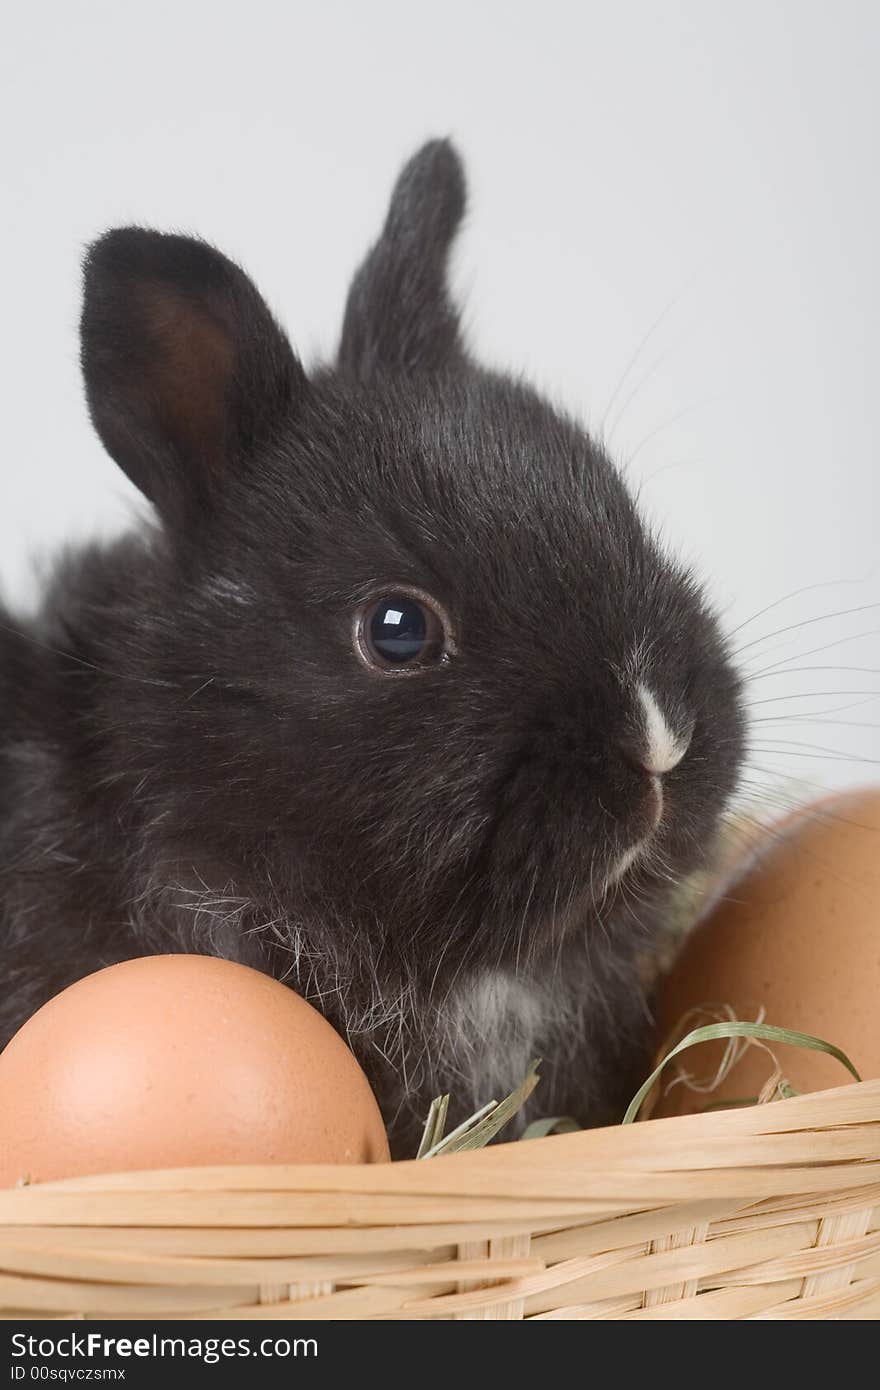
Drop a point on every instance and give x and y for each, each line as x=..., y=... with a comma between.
x=768, y=1212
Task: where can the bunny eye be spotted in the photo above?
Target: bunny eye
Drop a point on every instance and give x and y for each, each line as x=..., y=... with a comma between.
x=402, y=632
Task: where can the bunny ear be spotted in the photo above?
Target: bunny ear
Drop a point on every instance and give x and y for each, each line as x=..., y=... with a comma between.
x=399, y=317
x=185, y=369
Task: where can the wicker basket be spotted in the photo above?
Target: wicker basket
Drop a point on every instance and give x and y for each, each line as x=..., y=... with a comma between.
x=768, y=1212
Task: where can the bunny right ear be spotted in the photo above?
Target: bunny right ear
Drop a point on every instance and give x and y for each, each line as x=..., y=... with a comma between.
x=186, y=370
x=399, y=317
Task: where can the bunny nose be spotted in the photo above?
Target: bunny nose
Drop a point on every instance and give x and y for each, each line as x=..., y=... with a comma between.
x=660, y=749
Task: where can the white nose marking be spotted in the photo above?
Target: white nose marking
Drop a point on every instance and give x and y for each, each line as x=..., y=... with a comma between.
x=663, y=750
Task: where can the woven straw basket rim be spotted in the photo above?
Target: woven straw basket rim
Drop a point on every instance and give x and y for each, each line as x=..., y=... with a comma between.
x=770, y=1211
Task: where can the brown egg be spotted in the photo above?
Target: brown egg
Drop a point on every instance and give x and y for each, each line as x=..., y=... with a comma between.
x=175, y=1061
x=797, y=935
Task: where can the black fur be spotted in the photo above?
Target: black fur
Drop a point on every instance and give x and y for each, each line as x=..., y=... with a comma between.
x=195, y=759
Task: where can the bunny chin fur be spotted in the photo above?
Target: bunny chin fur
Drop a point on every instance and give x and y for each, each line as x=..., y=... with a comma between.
x=460, y=865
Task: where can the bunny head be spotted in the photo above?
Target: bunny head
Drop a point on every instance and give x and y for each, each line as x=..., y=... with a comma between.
x=402, y=646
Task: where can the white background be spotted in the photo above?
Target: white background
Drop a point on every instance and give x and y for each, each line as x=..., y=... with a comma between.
x=674, y=226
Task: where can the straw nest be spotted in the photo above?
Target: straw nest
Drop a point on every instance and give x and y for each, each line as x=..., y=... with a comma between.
x=766, y=1212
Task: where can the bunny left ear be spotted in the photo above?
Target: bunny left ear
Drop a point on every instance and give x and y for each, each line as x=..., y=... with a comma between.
x=186, y=371
x=399, y=317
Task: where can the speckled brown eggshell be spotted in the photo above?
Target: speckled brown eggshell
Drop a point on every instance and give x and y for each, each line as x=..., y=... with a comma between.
x=797, y=934
x=177, y=1061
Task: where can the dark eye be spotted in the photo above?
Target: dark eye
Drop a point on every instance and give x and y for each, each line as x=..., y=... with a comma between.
x=401, y=632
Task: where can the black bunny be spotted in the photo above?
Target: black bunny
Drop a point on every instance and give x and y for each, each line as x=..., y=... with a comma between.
x=398, y=700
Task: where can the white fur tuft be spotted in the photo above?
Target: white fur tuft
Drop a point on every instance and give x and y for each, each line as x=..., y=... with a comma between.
x=663, y=750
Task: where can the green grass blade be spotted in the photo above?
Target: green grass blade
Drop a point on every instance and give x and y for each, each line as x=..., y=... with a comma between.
x=765, y=1032
x=551, y=1124
x=434, y=1125
x=480, y=1128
